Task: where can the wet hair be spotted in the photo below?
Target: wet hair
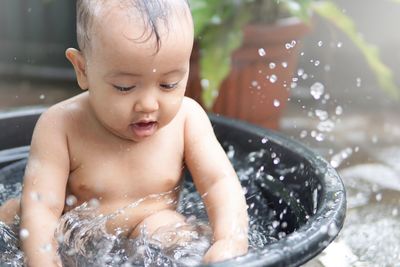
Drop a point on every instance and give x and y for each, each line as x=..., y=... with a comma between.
x=151, y=11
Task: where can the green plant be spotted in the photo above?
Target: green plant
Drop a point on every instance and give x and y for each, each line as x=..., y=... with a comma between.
x=218, y=29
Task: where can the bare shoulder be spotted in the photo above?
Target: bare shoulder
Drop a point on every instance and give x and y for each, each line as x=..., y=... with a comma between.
x=193, y=110
x=191, y=104
x=197, y=123
x=60, y=116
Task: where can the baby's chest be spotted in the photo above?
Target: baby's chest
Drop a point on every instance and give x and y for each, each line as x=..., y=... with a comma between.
x=122, y=173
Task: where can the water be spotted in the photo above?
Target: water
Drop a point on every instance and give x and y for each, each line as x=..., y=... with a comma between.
x=84, y=241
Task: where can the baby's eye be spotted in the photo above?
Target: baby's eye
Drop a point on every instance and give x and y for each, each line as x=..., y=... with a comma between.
x=169, y=86
x=124, y=89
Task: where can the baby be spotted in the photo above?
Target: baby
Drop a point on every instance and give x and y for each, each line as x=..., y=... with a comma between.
x=130, y=134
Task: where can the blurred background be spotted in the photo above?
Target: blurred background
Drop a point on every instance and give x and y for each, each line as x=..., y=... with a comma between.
x=333, y=100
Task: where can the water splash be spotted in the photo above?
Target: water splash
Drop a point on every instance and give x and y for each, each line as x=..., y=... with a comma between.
x=84, y=241
x=338, y=158
x=277, y=103
x=317, y=90
x=290, y=45
x=273, y=78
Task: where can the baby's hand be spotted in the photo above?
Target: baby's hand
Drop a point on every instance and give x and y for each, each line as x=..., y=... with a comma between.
x=225, y=249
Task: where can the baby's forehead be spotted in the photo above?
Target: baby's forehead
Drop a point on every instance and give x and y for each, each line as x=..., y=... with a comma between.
x=146, y=13
x=150, y=19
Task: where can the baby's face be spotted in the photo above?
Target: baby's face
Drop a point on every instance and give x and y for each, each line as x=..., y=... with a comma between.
x=133, y=89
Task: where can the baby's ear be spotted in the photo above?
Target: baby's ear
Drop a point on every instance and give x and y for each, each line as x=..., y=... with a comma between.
x=79, y=62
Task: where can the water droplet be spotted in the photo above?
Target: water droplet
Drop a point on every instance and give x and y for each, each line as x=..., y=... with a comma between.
x=320, y=43
x=300, y=72
x=321, y=114
x=35, y=196
x=333, y=230
x=358, y=82
x=276, y=103
x=94, y=202
x=378, y=197
x=273, y=78
x=339, y=110
x=326, y=126
x=60, y=238
x=339, y=44
x=276, y=160
x=205, y=83
x=71, y=200
x=281, y=235
x=272, y=65
x=216, y=20
x=316, y=63
x=261, y=52
x=23, y=233
x=42, y=96
x=327, y=68
x=254, y=83
x=284, y=64
x=338, y=158
x=264, y=140
x=154, y=70
x=303, y=134
x=395, y=212
x=317, y=89
x=46, y=248
x=290, y=45
x=320, y=137
x=231, y=152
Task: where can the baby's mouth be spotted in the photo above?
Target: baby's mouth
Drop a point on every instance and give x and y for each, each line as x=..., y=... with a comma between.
x=144, y=128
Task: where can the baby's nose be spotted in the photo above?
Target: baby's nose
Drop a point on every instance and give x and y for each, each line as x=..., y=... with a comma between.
x=146, y=103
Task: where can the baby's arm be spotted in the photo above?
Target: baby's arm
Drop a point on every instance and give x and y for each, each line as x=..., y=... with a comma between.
x=44, y=187
x=217, y=182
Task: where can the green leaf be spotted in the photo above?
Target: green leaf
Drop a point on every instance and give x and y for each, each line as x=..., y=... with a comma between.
x=217, y=42
x=384, y=75
x=215, y=62
x=202, y=11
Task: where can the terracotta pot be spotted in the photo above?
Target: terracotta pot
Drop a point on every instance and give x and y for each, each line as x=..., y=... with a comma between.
x=257, y=88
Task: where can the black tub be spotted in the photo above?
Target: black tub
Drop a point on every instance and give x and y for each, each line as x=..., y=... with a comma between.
x=310, y=200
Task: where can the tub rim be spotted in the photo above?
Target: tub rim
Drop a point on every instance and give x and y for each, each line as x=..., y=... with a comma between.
x=292, y=248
